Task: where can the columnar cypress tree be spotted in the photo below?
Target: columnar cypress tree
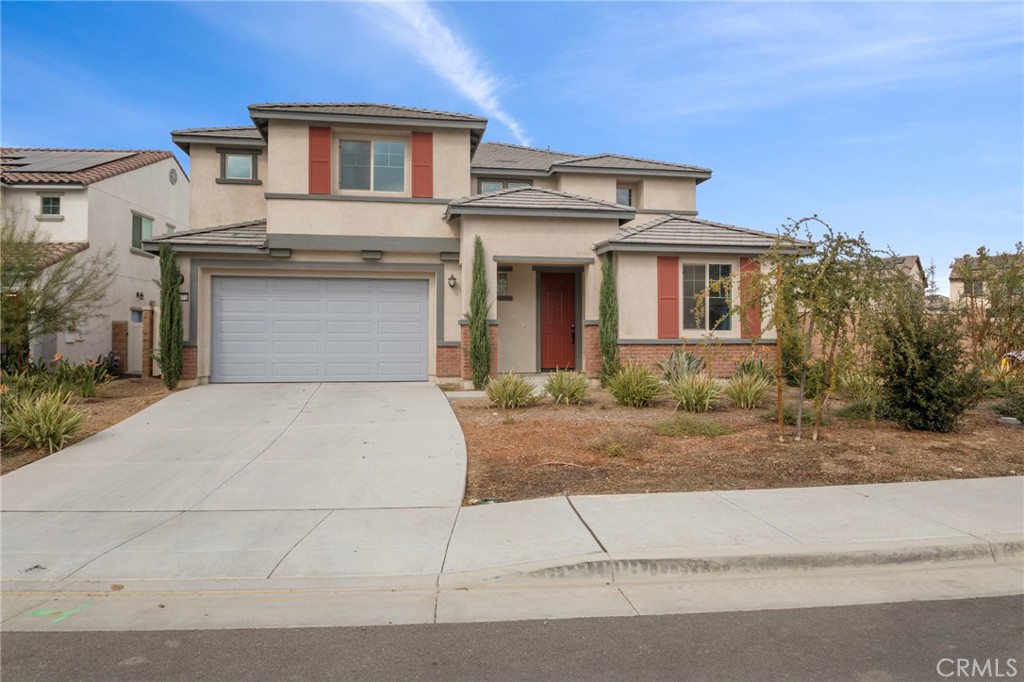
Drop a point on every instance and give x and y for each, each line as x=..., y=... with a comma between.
x=479, y=340
x=608, y=320
x=171, y=332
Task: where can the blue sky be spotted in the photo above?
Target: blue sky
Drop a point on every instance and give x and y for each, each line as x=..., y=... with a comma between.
x=904, y=120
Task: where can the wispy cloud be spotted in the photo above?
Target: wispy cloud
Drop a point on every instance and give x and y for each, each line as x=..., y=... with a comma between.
x=424, y=32
x=731, y=57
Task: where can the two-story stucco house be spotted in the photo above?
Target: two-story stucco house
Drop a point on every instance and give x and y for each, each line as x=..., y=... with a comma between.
x=91, y=200
x=335, y=242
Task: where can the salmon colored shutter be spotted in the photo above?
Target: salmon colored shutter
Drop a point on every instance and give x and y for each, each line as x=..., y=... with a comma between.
x=319, y=160
x=423, y=165
x=668, y=297
x=750, y=298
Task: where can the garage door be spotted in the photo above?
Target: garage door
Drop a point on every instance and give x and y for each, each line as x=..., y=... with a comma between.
x=304, y=329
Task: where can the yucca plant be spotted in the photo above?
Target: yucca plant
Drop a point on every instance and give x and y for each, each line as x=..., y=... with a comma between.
x=695, y=392
x=755, y=367
x=509, y=391
x=679, y=364
x=44, y=420
x=859, y=385
x=567, y=388
x=634, y=385
x=745, y=391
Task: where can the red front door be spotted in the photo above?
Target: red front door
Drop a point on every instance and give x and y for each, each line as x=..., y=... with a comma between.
x=557, y=320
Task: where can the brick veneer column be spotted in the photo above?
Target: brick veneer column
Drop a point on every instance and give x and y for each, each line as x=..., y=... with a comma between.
x=119, y=344
x=448, y=360
x=189, y=362
x=591, y=350
x=147, y=342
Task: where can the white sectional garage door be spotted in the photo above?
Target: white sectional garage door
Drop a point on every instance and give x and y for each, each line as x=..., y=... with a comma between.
x=305, y=329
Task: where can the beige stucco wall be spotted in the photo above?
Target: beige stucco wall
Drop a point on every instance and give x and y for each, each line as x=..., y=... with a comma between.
x=289, y=145
x=638, y=295
x=382, y=219
x=74, y=208
x=589, y=185
x=517, y=348
x=214, y=203
x=668, y=194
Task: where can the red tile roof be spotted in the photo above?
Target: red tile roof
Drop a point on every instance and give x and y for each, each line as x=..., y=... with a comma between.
x=135, y=159
x=52, y=253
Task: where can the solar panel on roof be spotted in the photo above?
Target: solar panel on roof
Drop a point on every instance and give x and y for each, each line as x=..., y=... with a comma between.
x=65, y=162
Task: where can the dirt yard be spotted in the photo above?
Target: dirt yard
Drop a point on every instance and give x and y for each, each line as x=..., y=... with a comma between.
x=601, y=447
x=116, y=401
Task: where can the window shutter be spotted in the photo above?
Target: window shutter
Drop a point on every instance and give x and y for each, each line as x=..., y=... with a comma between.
x=668, y=297
x=423, y=165
x=750, y=298
x=319, y=160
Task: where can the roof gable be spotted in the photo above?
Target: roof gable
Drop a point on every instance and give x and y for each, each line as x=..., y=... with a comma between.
x=683, y=233
x=536, y=201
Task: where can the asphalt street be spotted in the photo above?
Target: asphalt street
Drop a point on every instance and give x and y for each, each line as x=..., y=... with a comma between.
x=901, y=641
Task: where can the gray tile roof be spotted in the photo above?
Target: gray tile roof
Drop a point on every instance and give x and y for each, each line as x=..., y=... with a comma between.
x=680, y=231
x=511, y=157
x=240, y=132
x=535, y=199
x=365, y=109
x=515, y=157
x=620, y=162
x=252, y=233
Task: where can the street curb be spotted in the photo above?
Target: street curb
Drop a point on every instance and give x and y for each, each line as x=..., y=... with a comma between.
x=1007, y=550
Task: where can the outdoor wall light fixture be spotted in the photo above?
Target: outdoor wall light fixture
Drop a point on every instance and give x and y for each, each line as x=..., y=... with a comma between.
x=451, y=281
x=139, y=295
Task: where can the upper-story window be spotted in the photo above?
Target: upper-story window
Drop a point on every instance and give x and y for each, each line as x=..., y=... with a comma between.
x=706, y=297
x=376, y=166
x=490, y=185
x=142, y=229
x=626, y=195
x=50, y=206
x=239, y=166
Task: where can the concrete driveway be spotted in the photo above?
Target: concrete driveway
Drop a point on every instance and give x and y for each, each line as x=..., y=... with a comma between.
x=245, y=481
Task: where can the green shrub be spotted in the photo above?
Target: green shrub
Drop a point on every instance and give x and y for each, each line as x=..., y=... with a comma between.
x=755, y=367
x=695, y=392
x=172, y=351
x=634, y=385
x=567, y=388
x=689, y=425
x=509, y=391
x=479, y=336
x=863, y=409
x=43, y=420
x=789, y=416
x=608, y=321
x=859, y=385
x=622, y=441
x=745, y=391
x=679, y=364
x=1014, y=407
x=920, y=356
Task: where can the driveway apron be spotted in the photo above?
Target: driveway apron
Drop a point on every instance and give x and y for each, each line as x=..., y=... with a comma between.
x=228, y=480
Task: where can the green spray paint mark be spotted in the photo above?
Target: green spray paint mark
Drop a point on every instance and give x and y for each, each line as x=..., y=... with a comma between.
x=62, y=614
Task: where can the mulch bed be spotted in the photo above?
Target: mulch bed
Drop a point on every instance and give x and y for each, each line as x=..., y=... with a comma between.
x=115, y=402
x=549, y=449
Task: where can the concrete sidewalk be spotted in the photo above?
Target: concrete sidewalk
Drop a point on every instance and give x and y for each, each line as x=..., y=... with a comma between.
x=578, y=556
x=606, y=537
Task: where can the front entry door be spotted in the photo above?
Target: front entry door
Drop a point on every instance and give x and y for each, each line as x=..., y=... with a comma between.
x=557, y=320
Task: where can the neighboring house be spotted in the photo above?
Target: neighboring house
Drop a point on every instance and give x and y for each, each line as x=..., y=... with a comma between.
x=335, y=242
x=86, y=201
x=911, y=267
x=966, y=279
